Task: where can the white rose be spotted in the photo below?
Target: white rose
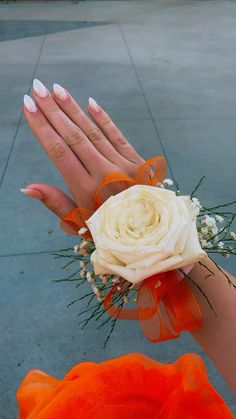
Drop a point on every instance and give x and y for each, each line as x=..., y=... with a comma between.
x=143, y=231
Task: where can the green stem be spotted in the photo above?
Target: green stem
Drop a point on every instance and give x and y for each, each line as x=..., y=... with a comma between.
x=198, y=186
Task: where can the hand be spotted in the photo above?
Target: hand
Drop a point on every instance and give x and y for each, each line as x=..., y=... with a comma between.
x=83, y=150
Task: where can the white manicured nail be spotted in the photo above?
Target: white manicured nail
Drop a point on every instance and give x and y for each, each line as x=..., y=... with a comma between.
x=33, y=193
x=39, y=88
x=29, y=104
x=93, y=105
x=60, y=91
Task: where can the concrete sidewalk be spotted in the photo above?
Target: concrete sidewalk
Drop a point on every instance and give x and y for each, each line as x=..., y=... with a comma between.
x=166, y=72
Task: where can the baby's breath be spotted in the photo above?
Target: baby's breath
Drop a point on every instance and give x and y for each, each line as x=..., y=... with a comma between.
x=233, y=235
x=168, y=182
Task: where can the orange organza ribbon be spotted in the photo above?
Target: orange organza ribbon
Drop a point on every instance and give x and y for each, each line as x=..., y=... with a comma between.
x=165, y=307
x=130, y=387
x=165, y=304
x=152, y=173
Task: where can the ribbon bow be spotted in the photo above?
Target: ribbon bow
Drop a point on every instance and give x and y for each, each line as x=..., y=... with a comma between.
x=165, y=304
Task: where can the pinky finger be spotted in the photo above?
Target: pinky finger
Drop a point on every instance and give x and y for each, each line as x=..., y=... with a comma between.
x=53, y=198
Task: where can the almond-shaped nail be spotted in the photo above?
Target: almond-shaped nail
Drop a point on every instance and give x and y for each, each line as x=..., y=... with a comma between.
x=29, y=104
x=33, y=193
x=60, y=92
x=39, y=88
x=93, y=105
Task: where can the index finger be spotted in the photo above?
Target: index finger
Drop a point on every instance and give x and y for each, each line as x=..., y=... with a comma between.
x=59, y=152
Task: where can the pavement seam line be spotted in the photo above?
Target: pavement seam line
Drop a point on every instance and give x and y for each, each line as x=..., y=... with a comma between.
x=21, y=115
x=40, y=252
x=146, y=102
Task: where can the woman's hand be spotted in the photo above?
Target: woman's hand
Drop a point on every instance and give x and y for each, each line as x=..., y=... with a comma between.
x=83, y=150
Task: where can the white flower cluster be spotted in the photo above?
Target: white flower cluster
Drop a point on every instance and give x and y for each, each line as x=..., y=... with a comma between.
x=166, y=183
x=90, y=276
x=208, y=232
x=96, y=292
x=84, y=248
x=233, y=236
x=196, y=205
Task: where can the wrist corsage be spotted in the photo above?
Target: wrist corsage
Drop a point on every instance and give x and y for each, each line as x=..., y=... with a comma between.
x=138, y=247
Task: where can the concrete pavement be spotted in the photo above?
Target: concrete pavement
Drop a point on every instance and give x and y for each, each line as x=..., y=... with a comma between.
x=166, y=72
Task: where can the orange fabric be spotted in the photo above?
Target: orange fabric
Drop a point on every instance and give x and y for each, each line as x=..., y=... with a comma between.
x=123, y=181
x=130, y=387
x=145, y=174
x=165, y=307
x=75, y=220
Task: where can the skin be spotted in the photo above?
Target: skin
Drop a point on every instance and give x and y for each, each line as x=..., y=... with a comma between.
x=217, y=336
x=84, y=150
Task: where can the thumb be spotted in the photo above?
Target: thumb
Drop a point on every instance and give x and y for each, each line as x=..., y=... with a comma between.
x=53, y=198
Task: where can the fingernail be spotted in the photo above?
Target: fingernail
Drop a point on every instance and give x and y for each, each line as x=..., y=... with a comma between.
x=33, y=193
x=39, y=88
x=93, y=105
x=60, y=92
x=29, y=104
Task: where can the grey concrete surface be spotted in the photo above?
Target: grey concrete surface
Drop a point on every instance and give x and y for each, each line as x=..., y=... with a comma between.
x=166, y=72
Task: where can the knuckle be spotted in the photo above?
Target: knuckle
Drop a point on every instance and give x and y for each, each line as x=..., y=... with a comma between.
x=106, y=122
x=76, y=113
x=52, y=108
x=95, y=135
x=40, y=122
x=58, y=150
x=75, y=137
x=54, y=206
x=121, y=140
x=109, y=168
x=91, y=189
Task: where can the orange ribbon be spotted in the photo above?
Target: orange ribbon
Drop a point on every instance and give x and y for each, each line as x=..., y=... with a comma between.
x=152, y=173
x=165, y=307
x=165, y=304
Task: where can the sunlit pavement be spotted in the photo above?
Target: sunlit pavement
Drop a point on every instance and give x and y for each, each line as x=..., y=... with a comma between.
x=166, y=72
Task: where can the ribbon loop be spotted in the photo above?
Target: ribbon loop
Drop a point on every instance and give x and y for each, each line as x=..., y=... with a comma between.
x=116, y=312
x=145, y=174
x=119, y=180
x=165, y=307
x=75, y=220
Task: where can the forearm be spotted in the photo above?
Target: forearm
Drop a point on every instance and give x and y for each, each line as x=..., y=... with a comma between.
x=217, y=335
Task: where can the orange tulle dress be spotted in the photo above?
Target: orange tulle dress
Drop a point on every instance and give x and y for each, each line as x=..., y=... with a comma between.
x=130, y=387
